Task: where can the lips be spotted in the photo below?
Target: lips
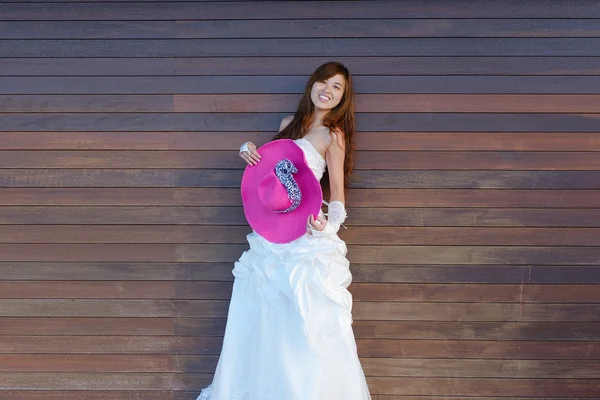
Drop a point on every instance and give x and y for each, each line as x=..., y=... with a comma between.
x=324, y=97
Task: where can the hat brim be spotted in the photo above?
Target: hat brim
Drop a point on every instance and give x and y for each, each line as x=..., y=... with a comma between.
x=280, y=227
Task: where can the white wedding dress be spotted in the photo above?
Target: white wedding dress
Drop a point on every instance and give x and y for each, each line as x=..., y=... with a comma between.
x=289, y=334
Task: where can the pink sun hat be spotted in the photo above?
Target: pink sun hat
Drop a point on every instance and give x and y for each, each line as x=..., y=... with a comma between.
x=280, y=192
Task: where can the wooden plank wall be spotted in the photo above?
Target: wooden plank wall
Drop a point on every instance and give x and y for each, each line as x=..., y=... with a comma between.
x=474, y=226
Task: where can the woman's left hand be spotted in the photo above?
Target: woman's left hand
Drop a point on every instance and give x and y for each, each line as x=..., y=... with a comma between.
x=317, y=224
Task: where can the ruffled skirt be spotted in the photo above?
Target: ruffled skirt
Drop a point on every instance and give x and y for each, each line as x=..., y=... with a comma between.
x=289, y=333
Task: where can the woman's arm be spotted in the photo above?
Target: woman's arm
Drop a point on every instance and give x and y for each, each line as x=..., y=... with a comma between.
x=336, y=152
x=336, y=210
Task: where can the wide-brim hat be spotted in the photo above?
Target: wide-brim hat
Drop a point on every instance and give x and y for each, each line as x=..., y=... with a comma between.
x=280, y=192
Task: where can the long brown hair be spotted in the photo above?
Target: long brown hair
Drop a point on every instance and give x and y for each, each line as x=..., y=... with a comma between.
x=341, y=117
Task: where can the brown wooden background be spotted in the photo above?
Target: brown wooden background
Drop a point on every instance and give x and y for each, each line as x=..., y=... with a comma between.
x=474, y=226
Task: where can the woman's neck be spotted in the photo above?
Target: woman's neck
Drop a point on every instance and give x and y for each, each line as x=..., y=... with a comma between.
x=318, y=117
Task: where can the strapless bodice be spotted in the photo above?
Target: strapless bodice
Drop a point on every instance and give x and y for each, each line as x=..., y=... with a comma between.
x=315, y=161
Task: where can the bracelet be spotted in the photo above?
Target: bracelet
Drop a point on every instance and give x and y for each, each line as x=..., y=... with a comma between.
x=244, y=147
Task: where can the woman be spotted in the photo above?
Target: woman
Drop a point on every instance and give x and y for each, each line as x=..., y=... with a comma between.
x=289, y=334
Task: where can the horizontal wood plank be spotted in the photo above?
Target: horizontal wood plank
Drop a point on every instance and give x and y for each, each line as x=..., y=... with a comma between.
x=363, y=329
x=293, y=65
x=157, y=345
x=471, y=293
x=278, y=84
x=379, y=348
x=367, y=179
x=372, y=366
x=283, y=47
x=179, y=290
x=265, y=10
x=136, y=326
x=468, y=236
x=364, y=103
x=96, y=363
x=379, y=141
x=389, y=160
x=386, y=311
x=382, y=273
x=374, y=273
x=151, y=271
x=318, y=28
x=357, y=198
x=101, y=381
x=465, y=330
x=545, y=388
x=247, y=103
x=116, y=290
x=28, y=394
x=409, y=385
x=401, y=217
x=220, y=253
x=586, y=388
x=563, y=274
x=478, y=349
x=383, y=311
x=356, y=235
x=381, y=122
x=515, y=369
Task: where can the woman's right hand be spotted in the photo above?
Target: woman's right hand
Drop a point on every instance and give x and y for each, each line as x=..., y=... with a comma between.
x=249, y=154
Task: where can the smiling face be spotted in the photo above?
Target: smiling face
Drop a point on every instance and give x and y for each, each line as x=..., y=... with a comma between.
x=327, y=94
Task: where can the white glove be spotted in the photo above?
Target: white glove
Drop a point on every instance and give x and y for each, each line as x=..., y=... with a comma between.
x=335, y=217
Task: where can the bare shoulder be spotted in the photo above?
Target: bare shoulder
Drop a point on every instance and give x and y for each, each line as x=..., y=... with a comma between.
x=337, y=138
x=285, y=122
